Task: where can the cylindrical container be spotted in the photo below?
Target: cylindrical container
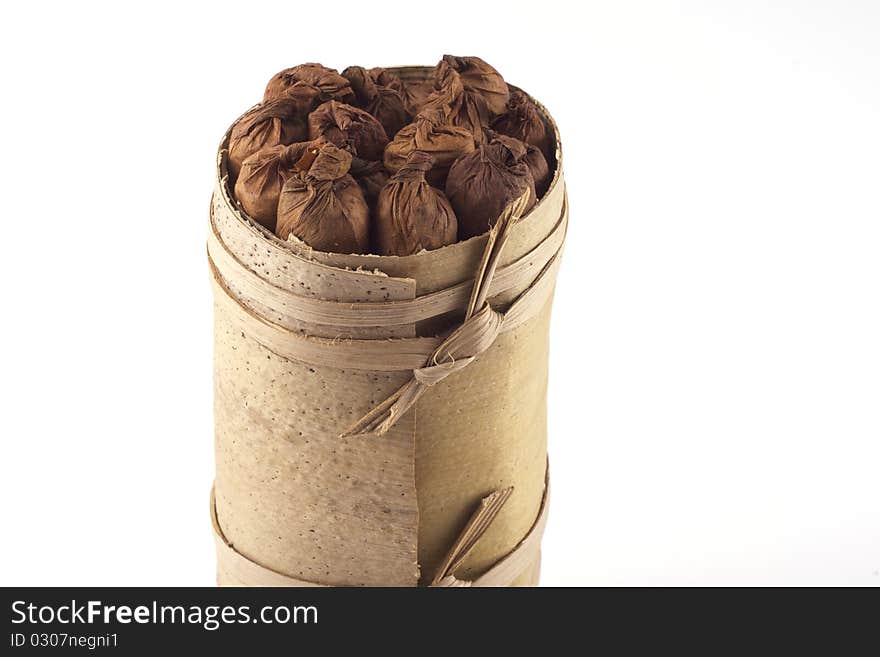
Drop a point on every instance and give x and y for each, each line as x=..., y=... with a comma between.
x=454, y=492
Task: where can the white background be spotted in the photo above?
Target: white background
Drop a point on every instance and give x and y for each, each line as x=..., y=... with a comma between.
x=715, y=374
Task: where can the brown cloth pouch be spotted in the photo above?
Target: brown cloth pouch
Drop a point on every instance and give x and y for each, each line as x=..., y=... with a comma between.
x=322, y=205
x=481, y=183
x=262, y=177
x=410, y=214
x=348, y=127
x=273, y=123
x=478, y=78
x=310, y=345
x=371, y=176
x=522, y=121
x=461, y=108
x=380, y=93
x=327, y=82
x=430, y=133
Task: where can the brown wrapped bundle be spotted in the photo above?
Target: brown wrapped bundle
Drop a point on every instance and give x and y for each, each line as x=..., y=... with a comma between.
x=380, y=93
x=327, y=81
x=348, y=127
x=412, y=216
x=417, y=93
x=262, y=176
x=482, y=183
x=429, y=133
x=305, y=98
x=478, y=79
x=538, y=167
x=522, y=120
x=459, y=106
x=371, y=176
x=322, y=205
x=281, y=121
x=533, y=158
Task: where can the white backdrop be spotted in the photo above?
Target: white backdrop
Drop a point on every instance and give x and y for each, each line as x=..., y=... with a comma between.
x=715, y=374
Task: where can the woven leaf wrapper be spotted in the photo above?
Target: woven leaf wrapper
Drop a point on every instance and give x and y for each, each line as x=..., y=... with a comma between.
x=381, y=420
